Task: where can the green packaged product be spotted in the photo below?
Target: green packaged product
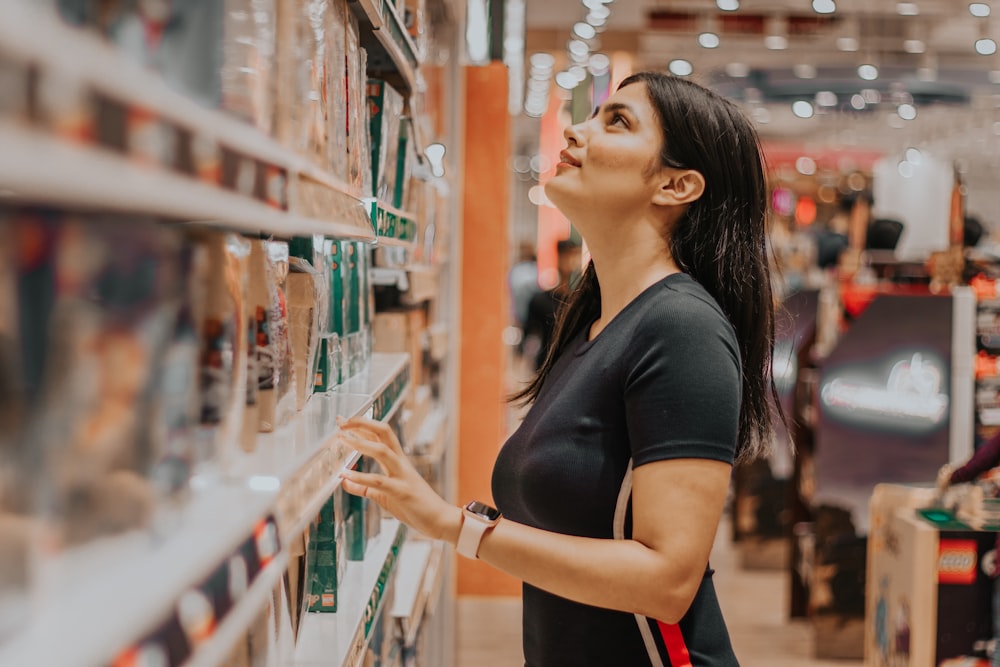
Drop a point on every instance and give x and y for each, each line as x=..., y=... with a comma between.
x=324, y=560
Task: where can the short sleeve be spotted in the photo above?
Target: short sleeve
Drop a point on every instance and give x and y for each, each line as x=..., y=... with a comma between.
x=682, y=383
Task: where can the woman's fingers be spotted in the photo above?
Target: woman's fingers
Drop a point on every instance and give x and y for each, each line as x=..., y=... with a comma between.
x=370, y=485
x=375, y=430
x=375, y=450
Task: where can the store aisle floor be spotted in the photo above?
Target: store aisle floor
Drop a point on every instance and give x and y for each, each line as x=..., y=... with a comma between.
x=489, y=629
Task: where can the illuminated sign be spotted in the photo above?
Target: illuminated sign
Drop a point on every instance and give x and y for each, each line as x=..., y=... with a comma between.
x=911, y=397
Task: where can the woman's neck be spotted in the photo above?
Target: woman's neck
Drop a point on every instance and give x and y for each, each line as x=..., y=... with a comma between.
x=626, y=267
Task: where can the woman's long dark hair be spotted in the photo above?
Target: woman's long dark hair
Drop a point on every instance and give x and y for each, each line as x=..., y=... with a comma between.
x=720, y=241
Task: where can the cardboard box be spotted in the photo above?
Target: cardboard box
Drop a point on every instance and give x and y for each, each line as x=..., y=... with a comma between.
x=929, y=598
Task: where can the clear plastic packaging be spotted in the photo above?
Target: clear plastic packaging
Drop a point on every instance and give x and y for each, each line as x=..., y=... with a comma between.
x=248, y=70
x=223, y=364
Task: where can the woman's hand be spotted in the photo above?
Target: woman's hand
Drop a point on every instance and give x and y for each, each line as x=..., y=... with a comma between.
x=399, y=489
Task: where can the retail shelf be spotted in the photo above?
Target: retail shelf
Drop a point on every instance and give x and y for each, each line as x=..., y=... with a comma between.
x=392, y=226
x=387, y=379
x=302, y=458
x=418, y=283
x=140, y=577
x=340, y=639
x=418, y=579
x=437, y=341
x=139, y=585
x=38, y=168
x=429, y=440
x=390, y=48
x=89, y=176
x=218, y=647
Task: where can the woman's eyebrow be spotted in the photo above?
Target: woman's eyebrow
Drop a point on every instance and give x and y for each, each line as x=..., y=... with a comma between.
x=614, y=106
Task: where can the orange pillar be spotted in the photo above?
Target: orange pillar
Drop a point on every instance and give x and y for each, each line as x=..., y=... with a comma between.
x=482, y=385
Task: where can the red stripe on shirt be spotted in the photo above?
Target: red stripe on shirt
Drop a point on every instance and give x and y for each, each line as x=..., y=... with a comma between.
x=677, y=650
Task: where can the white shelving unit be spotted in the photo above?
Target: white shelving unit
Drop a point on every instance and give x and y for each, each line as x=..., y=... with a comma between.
x=418, y=580
x=293, y=470
x=341, y=638
x=290, y=475
x=37, y=166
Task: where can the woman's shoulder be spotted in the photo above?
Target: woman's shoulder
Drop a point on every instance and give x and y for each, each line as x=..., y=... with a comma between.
x=683, y=305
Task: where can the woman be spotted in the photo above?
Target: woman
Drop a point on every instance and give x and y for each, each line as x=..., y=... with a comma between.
x=612, y=488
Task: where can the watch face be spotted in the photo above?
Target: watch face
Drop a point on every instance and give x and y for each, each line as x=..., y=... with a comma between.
x=484, y=510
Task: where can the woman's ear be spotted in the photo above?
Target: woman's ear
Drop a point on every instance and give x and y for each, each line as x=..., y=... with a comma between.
x=679, y=187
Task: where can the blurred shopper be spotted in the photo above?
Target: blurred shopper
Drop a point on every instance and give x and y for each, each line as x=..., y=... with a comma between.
x=658, y=379
x=523, y=282
x=544, y=306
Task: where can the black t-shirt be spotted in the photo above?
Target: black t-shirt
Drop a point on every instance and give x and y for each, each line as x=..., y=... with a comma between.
x=661, y=381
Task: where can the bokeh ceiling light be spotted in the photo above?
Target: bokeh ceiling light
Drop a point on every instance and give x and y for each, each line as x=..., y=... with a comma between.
x=579, y=72
x=824, y=6
x=708, y=40
x=826, y=98
x=542, y=61
x=914, y=46
x=599, y=63
x=584, y=30
x=596, y=21
x=803, y=109
x=906, y=111
x=738, y=70
x=847, y=43
x=979, y=9
x=907, y=9
x=601, y=11
x=728, y=5
x=577, y=47
x=680, y=67
x=804, y=71
x=905, y=169
x=566, y=80
x=858, y=102
x=868, y=72
x=776, y=42
x=805, y=165
x=913, y=155
x=986, y=46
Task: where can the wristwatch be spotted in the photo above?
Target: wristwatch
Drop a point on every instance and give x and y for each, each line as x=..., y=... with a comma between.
x=477, y=518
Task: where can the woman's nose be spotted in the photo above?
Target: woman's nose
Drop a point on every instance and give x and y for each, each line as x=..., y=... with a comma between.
x=573, y=134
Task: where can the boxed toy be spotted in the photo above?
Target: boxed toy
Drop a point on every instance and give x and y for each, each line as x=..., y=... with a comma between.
x=222, y=323
x=248, y=75
x=325, y=561
x=385, y=109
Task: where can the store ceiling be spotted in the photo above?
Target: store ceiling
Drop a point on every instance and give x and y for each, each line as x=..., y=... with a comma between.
x=926, y=57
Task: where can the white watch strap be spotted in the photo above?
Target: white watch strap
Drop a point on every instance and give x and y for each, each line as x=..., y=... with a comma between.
x=470, y=536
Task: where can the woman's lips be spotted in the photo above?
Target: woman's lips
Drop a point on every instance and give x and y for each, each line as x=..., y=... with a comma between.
x=567, y=160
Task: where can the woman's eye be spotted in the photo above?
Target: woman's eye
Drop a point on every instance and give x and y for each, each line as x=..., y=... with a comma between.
x=618, y=119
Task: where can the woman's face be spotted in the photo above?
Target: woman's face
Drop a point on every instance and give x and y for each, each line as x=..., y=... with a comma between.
x=611, y=160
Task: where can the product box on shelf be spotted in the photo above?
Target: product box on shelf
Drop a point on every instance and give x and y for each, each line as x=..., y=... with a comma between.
x=929, y=590
x=402, y=331
x=183, y=40
x=15, y=89
x=306, y=291
x=355, y=514
x=358, y=139
x=385, y=109
x=222, y=323
x=248, y=75
x=338, y=110
x=97, y=300
x=326, y=557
